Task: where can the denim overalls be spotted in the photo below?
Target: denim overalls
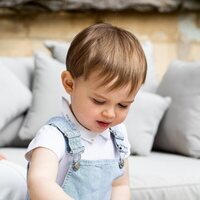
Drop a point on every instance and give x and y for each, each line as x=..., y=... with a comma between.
x=89, y=179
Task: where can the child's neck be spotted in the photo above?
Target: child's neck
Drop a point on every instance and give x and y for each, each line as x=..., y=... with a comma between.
x=70, y=106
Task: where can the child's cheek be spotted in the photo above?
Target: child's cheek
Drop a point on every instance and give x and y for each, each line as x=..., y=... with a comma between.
x=124, y=115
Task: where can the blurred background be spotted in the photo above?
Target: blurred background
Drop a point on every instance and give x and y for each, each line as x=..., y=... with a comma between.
x=172, y=26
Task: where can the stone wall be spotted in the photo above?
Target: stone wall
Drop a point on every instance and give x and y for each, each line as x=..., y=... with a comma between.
x=174, y=35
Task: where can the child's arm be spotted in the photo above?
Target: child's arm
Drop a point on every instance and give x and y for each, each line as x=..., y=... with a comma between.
x=120, y=187
x=42, y=176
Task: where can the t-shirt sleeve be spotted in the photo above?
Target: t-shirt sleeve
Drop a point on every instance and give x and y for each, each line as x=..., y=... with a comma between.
x=123, y=129
x=47, y=137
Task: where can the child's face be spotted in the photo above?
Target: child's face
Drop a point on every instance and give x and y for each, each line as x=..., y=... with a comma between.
x=95, y=107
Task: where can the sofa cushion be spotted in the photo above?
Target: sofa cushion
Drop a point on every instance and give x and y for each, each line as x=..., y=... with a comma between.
x=179, y=130
x=47, y=92
x=163, y=176
x=58, y=49
x=15, y=97
x=22, y=67
x=10, y=131
x=59, y=52
x=150, y=84
x=143, y=120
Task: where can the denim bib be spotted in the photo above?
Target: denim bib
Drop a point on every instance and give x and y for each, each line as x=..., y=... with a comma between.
x=89, y=179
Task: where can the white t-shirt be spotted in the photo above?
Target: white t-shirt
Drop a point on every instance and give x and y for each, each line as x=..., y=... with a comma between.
x=97, y=146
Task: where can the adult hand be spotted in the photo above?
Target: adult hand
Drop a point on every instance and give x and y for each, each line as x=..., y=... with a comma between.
x=2, y=157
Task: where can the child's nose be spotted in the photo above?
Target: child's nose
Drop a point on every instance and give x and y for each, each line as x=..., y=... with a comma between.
x=109, y=113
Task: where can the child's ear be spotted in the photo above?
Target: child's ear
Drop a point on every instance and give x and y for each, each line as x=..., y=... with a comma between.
x=67, y=81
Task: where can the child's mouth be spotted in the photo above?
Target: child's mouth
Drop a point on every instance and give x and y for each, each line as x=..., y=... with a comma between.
x=103, y=124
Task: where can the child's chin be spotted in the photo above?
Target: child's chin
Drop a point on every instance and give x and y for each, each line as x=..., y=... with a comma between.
x=97, y=130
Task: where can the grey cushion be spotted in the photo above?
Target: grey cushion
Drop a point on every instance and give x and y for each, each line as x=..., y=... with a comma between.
x=180, y=129
x=9, y=133
x=22, y=67
x=151, y=81
x=162, y=176
x=59, y=52
x=15, y=97
x=143, y=120
x=47, y=92
x=58, y=49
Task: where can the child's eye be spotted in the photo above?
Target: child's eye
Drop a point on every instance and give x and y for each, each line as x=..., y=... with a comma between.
x=99, y=102
x=123, y=106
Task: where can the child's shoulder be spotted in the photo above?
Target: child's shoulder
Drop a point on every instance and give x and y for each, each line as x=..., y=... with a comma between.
x=49, y=133
x=48, y=137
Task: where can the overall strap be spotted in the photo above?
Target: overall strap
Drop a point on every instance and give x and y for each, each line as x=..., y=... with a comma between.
x=119, y=144
x=72, y=137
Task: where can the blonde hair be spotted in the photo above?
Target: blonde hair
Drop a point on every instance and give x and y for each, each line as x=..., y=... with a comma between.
x=112, y=51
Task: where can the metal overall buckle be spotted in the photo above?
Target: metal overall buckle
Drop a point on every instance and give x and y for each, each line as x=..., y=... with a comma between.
x=121, y=163
x=76, y=162
x=76, y=166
